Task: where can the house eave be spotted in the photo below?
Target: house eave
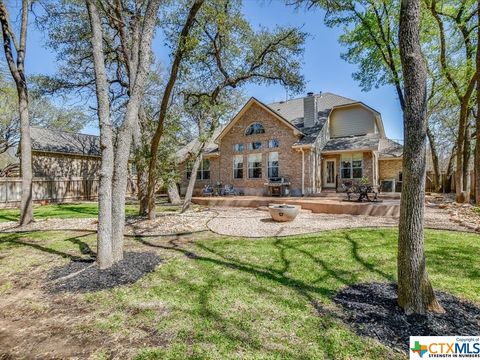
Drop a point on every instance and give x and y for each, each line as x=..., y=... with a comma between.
x=35, y=151
x=303, y=146
x=346, y=151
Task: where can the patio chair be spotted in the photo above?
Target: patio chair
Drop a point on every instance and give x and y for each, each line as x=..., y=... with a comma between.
x=207, y=190
x=229, y=190
x=349, y=188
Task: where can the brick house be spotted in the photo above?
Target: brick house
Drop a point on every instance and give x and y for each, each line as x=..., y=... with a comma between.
x=314, y=142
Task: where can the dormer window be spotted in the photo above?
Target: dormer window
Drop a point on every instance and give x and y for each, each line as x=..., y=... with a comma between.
x=255, y=128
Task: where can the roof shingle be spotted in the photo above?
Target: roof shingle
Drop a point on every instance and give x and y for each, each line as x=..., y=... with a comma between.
x=47, y=140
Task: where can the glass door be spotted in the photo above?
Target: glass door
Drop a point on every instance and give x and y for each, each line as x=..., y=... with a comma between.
x=329, y=173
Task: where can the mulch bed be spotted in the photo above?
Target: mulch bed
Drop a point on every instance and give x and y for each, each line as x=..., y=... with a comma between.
x=371, y=310
x=88, y=277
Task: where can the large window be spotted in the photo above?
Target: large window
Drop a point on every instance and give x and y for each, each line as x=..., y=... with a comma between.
x=273, y=143
x=352, y=166
x=273, y=164
x=203, y=172
x=238, y=166
x=256, y=145
x=255, y=128
x=255, y=166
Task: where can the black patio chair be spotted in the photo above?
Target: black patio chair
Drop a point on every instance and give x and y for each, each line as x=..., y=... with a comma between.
x=207, y=190
x=349, y=188
x=229, y=190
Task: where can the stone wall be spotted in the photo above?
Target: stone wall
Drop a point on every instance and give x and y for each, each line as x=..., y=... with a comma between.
x=389, y=169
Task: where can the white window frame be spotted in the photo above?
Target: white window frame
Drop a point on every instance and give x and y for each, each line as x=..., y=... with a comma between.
x=201, y=171
x=257, y=167
x=272, y=167
x=234, y=167
x=351, y=157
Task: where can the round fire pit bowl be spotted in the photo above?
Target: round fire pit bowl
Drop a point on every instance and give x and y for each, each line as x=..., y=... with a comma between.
x=282, y=212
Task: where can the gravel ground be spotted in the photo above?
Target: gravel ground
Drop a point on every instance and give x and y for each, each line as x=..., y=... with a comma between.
x=371, y=310
x=257, y=223
x=84, y=276
x=239, y=221
x=164, y=224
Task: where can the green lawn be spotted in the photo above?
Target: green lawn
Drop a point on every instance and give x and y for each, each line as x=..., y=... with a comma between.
x=230, y=298
x=70, y=210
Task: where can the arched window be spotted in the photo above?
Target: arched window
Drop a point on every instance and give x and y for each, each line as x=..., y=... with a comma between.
x=255, y=128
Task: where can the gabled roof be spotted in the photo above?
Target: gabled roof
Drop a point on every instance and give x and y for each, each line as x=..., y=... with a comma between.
x=56, y=141
x=247, y=106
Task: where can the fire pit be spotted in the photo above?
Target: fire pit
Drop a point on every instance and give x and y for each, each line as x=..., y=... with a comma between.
x=283, y=212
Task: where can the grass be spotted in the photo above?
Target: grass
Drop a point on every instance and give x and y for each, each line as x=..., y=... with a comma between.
x=70, y=210
x=229, y=298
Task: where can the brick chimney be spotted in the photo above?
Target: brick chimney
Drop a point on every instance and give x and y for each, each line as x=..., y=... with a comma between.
x=310, y=112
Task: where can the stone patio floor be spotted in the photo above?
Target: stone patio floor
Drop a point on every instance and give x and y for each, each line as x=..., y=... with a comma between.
x=257, y=223
x=247, y=222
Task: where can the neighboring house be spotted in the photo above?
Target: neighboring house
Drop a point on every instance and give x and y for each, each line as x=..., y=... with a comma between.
x=315, y=142
x=61, y=154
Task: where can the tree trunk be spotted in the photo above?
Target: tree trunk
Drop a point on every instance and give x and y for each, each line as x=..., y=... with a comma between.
x=179, y=54
x=119, y=190
x=477, y=148
x=415, y=293
x=467, y=184
x=104, y=233
x=26, y=207
x=173, y=195
x=459, y=168
x=142, y=192
x=436, y=168
x=191, y=183
x=477, y=131
x=17, y=70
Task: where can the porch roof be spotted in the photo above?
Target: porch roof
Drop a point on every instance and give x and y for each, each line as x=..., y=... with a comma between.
x=361, y=142
x=385, y=147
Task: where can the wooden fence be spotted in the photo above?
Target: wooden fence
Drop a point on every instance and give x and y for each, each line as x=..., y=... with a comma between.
x=53, y=190
x=447, y=183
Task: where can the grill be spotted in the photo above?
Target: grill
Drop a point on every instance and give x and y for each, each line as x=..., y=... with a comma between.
x=278, y=186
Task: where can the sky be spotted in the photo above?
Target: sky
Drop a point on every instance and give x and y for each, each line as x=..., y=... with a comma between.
x=323, y=68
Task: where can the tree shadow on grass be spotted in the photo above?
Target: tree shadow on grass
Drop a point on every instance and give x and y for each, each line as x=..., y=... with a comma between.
x=369, y=309
x=236, y=329
x=18, y=240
